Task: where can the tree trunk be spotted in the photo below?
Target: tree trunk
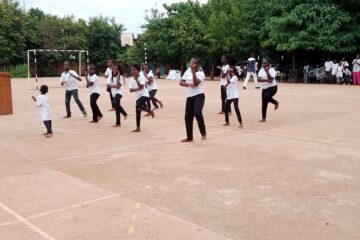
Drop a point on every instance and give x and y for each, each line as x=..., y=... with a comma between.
x=294, y=60
x=213, y=63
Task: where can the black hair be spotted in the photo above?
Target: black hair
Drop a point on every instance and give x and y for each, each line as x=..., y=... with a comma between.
x=235, y=71
x=92, y=66
x=267, y=59
x=197, y=60
x=137, y=66
x=119, y=68
x=111, y=60
x=44, y=89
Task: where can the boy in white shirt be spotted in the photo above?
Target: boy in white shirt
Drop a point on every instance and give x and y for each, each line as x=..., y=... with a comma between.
x=232, y=92
x=328, y=66
x=92, y=82
x=223, y=71
x=137, y=85
x=107, y=74
x=42, y=102
x=68, y=78
x=334, y=71
x=340, y=74
x=193, y=80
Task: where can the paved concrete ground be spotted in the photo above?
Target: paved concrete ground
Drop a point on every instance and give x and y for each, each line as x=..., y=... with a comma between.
x=294, y=177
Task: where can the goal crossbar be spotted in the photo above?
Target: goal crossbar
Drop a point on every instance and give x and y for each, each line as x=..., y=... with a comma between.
x=34, y=51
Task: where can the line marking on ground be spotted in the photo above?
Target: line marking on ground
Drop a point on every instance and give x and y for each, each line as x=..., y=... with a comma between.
x=62, y=209
x=26, y=222
x=134, y=217
x=106, y=151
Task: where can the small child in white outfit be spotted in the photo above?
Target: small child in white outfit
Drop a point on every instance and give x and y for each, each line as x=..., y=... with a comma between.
x=42, y=102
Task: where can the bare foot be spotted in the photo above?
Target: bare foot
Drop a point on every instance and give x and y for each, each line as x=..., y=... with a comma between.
x=263, y=120
x=66, y=117
x=147, y=115
x=116, y=126
x=44, y=134
x=186, y=140
x=93, y=121
x=85, y=115
x=221, y=113
x=125, y=117
x=111, y=110
x=277, y=106
x=99, y=118
x=226, y=124
x=48, y=135
x=203, y=138
x=136, y=130
x=241, y=125
x=230, y=113
x=161, y=104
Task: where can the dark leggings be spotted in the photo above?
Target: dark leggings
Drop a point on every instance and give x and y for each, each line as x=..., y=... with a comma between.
x=236, y=107
x=118, y=108
x=223, y=99
x=194, y=107
x=141, y=105
x=267, y=97
x=111, y=97
x=94, y=107
x=154, y=100
x=48, y=126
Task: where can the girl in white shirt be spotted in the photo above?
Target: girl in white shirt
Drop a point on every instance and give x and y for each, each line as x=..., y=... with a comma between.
x=137, y=85
x=193, y=80
x=340, y=74
x=232, y=92
x=151, y=87
x=42, y=102
x=108, y=72
x=116, y=84
x=267, y=76
x=92, y=82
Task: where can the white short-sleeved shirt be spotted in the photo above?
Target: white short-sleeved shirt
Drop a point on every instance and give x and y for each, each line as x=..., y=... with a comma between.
x=328, y=66
x=108, y=72
x=345, y=63
x=339, y=71
x=113, y=81
x=188, y=78
x=232, y=90
x=142, y=92
x=95, y=88
x=334, y=69
x=153, y=86
x=262, y=74
x=69, y=79
x=224, y=69
x=42, y=102
x=356, y=67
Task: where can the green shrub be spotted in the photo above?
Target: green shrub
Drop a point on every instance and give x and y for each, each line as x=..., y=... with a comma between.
x=19, y=71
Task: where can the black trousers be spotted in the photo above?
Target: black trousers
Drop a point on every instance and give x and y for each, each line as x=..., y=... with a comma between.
x=111, y=97
x=194, y=107
x=68, y=95
x=235, y=101
x=118, y=108
x=48, y=126
x=142, y=104
x=154, y=100
x=223, y=99
x=94, y=107
x=267, y=97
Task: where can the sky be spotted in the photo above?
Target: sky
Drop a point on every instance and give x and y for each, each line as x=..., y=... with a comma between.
x=130, y=13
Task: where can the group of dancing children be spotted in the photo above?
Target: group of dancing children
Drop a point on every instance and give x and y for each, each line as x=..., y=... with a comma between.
x=143, y=85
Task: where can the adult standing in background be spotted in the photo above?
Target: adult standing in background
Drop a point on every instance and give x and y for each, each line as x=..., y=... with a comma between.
x=356, y=70
x=251, y=68
x=107, y=74
x=328, y=66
